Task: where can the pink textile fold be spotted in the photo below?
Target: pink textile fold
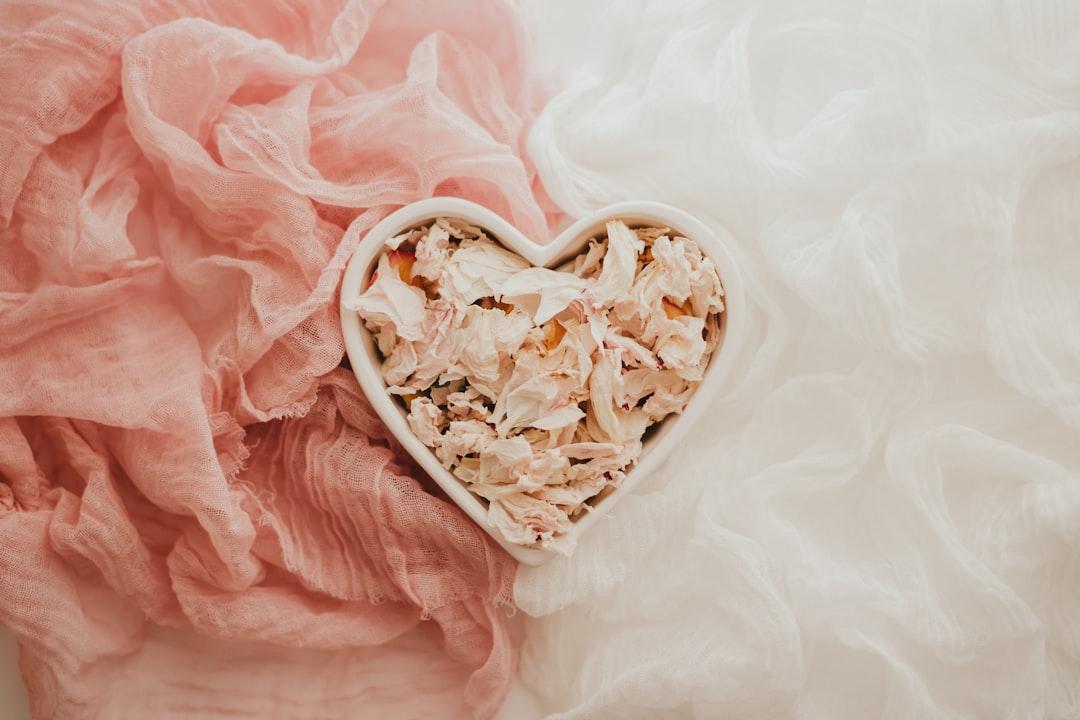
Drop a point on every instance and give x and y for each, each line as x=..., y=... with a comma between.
x=183, y=463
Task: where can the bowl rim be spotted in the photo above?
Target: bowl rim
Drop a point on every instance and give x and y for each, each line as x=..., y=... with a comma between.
x=365, y=361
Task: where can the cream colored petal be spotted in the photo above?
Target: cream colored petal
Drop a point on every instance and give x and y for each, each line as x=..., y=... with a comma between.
x=440, y=345
x=505, y=461
x=508, y=330
x=558, y=417
x=426, y=420
x=601, y=412
x=620, y=265
x=466, y=469
x=464, y=437
x=400, y=363
x=588, y=265
x=680, y=342
x=459, y=229
x=669, y=399
x=541, y=292
x=633, y=385
x=573, y=495
x=526, y=520
x=706, y=290
x=632, y=351
x=549, y=468
x=467, y=404
x=391, y=302
x=479, y=357
x=590, y=450
x=432, y=254
x=478, y=269
x=524, y=404
x=633, y=310
x=395, y=242
x=673, y=278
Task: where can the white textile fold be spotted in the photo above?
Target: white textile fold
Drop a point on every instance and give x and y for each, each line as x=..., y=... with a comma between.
x=882, y=517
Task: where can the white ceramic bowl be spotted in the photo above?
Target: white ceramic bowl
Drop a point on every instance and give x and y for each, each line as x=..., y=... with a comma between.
x=658, y=444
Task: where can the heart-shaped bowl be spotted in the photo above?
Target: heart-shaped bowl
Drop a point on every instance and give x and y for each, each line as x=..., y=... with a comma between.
x=658, y=442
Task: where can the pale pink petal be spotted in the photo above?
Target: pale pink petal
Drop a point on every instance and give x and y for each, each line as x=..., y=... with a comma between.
x=526, y=520
x=542, y=292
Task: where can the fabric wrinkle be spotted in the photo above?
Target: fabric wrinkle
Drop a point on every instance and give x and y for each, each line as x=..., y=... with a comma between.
x=184, y=465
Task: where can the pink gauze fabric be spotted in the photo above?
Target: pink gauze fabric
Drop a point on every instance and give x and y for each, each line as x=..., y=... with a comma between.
x=189, y=482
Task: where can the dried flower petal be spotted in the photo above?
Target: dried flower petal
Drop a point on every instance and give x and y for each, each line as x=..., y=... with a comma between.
x=426, y=419
x=478, y=269
x=620, y=264
x=463, y=438
x=432, y=254
x=542, y=292
x=527, y=520
x=390, y=303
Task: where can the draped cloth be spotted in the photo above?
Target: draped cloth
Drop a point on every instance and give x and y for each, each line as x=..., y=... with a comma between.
x=190, y=484
x=880, y=518
x=201, y=517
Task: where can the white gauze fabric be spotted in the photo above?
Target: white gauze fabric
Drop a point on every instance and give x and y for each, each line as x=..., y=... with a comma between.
x=881, y=517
